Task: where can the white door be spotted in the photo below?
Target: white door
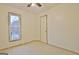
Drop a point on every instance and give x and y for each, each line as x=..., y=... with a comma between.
x=43, y=29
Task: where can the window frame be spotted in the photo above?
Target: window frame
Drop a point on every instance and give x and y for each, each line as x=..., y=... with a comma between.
x=9, y=32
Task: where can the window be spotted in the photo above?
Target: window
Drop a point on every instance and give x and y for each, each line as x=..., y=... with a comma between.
x=14, y=27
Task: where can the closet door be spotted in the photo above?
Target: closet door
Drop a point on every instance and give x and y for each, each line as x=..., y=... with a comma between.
x=43, y=29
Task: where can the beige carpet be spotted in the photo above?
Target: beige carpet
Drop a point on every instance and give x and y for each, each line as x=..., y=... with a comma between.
x=37, y=48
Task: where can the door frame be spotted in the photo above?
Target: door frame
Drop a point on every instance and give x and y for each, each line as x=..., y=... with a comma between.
x=46, y=28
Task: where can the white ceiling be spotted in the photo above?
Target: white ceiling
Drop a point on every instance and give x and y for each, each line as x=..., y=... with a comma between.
x=33, y=9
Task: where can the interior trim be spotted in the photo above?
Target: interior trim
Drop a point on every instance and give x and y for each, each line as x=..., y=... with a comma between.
x=75, y=53
x=16, y=14
x=46, y=27
x=19, y=45
x=62, y=48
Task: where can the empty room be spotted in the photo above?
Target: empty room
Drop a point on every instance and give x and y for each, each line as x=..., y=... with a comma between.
x=39, y=28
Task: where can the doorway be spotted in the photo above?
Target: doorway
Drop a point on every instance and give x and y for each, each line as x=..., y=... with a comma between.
x=43, y=29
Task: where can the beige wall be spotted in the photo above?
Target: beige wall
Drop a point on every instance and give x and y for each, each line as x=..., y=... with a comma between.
x=63, y=26
x=28, y=25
